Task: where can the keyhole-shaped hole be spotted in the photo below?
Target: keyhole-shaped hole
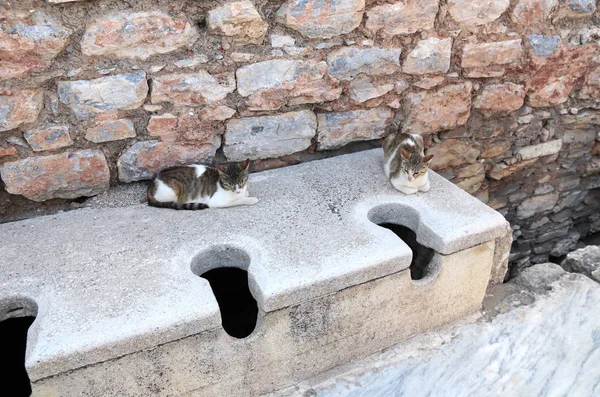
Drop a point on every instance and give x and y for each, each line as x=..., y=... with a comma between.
x=16, y=317
x=421, y=260
x=225, y=268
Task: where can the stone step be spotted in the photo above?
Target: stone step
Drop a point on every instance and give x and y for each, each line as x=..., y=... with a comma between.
x=121, y=308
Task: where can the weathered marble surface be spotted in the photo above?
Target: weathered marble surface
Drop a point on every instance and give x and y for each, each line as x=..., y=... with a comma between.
x=548, y=348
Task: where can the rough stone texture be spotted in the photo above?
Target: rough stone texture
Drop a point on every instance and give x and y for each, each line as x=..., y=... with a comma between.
x=29, y=41
x=430, y=56
x=272, y=84
x=534, y=205
x=498, y=98
x=137, y=35
x=269, y=136
x=452, y=153
x=363, y=88
x=89, y=97
x=143, y=159
x=48, y=138
x=585, y=261
x=318, y=301
x=20, y=107
x=111, y=130
x=540, y=150
x=322, y=19
x=477, y=12
x=200, y=88
x=501, y=257
x=8, y=151
x=491, y=59
x=402, y=17
x=186, y=128
x=443, y=109
x=338, y=129
x=577, y=8
x=591, y=86
x=65, y=175
x=239, y=20
x=217, y=113
x=347, y=63
x=528, y=13
x=500, y=171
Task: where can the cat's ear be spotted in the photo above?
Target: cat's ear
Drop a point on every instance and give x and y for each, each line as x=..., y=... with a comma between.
x=405, y=154
x=427, y=159
x=245, y=164
x=221, y=168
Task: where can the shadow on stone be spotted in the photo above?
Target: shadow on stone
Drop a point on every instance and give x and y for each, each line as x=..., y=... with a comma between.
x=225, y=268
x=16, y=316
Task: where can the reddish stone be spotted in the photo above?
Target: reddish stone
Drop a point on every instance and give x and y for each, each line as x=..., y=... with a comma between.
x=591, y=85
x=500, y=171
x=402, y=17
x=144, y=159
x=338, y=129
x=198, y=88
x=184, y=129
x=111, y=130
x=443, y=109
x=29, y=41
x=452, y=153
x=496, y=98
x=8, y=151
x=238, y=20
x=48, y=138
x=65, y=175
x=529, y=13
x=137, y=35
x=20, y=107
x=491, y=59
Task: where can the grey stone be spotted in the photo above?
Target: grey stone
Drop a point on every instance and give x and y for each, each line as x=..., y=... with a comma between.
x=347, y=63
x=430, y=56
x=269, y=136
x=579, y=136
x=338, y=129
x=564, y=246
x=540, y=150
x=584, y=7
x=89, y=97
x=280, y=41
x=477, y=12
x=551, y=235
x=363, y=89
x=585, y=261
x=543, y=46
x=537, y=204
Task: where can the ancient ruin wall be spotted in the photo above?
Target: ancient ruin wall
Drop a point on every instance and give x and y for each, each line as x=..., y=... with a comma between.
x=506, y=93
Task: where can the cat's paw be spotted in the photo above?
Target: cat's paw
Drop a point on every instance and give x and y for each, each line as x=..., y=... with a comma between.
x=407, y=190
x=250, y=200
x=425, y=187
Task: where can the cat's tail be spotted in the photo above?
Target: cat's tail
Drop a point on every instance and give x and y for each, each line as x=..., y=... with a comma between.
x=176, y=206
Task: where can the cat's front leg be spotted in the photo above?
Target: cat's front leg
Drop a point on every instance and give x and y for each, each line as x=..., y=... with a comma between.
x=407, y=190
x=235, y=203
x=425, y=187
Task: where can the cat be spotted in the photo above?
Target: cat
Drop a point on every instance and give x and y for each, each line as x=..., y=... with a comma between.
x=405, y=163
x=198, y=187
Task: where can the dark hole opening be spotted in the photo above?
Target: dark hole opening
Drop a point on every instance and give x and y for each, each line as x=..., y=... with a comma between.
x=239, y=310
x=419, y=266
x=13, y=341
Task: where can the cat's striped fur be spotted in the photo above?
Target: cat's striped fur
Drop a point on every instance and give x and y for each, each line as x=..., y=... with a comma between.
x=405, y=163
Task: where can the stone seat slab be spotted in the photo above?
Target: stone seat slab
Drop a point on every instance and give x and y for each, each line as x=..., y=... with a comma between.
x=112, y=281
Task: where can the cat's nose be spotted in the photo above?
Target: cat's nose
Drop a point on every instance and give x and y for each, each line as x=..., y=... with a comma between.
x=238, y=190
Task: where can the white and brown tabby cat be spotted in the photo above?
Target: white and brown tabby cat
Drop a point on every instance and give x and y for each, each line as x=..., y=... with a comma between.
x=197, y=187
x=405, y=163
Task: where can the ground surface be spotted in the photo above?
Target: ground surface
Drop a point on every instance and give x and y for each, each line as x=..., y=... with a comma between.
x=539, y=336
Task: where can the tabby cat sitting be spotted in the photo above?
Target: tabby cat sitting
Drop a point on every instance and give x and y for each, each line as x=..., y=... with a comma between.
x=405, y=163
x=197, y=187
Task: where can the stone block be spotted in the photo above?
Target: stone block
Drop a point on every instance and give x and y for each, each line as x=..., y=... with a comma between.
x=66, y=175
x=430, y=56
x=585, y=261
x=137, y=35
x=185, y=128
x=347, y=63
x=111, y=130
x=477, y=12
x=536, y=204
x=498, y=98
x=8, y=151
x=402, y=17
x=579, y=136
x=270, y=85
x=144, y=159
x=322, y=19
x=591, y=85
x=528, y=13
x=48, y=138
x=29, y=41
x=443, y=109
x=87, y=98
x=269, y=136
x=491, y=59
x=540, y=150
x=239, y=20
x=452, y=153
x=199, y=88
x=338, y=129
x=364, y=88
x=20, y=107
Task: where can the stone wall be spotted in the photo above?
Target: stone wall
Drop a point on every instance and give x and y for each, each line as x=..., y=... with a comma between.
x=506, y=94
